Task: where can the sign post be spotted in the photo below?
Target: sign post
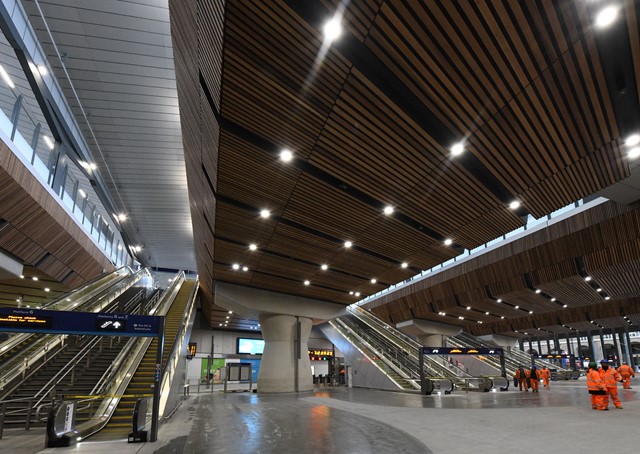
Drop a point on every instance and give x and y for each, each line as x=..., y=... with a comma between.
x=156, y=383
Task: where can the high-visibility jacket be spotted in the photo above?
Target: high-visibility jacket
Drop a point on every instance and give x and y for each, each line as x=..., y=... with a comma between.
x=626, y=370
x=595, y=381
x=526, y=374
x=610, y=377
x=544, y=373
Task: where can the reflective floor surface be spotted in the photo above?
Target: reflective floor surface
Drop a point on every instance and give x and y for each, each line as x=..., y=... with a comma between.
x=342, y=420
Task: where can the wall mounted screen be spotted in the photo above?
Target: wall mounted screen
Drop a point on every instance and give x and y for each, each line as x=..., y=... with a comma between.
x=250, y=346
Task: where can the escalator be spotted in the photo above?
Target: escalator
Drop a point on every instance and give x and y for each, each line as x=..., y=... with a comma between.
x=74, y=369
x=74, y=300
x=141, y=382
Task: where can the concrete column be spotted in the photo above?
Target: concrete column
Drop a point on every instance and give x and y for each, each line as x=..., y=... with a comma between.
x=285, y=365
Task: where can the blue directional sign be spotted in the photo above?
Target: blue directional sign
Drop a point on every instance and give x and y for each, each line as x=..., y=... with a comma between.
x=23, y=320
x=461, y=351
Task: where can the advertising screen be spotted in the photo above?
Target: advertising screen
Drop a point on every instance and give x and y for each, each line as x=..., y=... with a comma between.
x=250, y=346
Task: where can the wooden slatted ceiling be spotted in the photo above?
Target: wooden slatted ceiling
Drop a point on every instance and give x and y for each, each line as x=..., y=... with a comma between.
x=32, y=292
x=634, y=38
x=522, y=81
x=521, y=99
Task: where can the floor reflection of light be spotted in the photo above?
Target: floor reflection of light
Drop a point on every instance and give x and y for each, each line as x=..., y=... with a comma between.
x=320, y=417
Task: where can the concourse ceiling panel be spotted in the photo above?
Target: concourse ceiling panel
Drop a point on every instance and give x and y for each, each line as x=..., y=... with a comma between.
x=372, y=119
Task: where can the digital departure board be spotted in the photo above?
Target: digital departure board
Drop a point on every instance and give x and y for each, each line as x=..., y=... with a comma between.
x=27, y=321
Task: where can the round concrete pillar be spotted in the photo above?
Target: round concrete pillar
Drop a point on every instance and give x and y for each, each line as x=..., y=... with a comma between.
x=280, y=369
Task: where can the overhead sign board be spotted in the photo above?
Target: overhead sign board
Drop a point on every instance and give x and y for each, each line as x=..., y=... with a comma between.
x=461, y=351
x=23, y=320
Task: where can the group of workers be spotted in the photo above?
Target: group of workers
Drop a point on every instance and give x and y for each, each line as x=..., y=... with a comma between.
x=603, y=382
x=530, y=378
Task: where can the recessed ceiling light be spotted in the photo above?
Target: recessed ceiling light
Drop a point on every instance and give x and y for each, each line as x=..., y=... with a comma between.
x=138, y=248
x=122, y=217
x=351, y=292
x=324, y=267
x=47, y=289
x=227, y=317
x=231, y=312
x=634, y=153
x=457, y=149
x=606, y=16
x=538, y=291
x=587, y=279
x=461, y=317
x=448, y=242
x=553, y=299
x=404, y=265
x=531, y=312
x=607, y=298
x=22, y=276
x=307, y=282
x=502, y=317
x=265, y=213
x=235, y=266
x=374, y=280
x=219, y=324
x=244, y=268
x=632, y=140
x=514, y=205
x=253, y=247
x=468, y=308
x=68, y=299
x=479, y=321
x=486, y=313
x=35, y=278
x=564, y=305
x=499, y=300
x=357, y=293
x=388, y=210
x=598, y=289
x=286, y=155
x=517, y=307
x=332, y=30
x=348, y=244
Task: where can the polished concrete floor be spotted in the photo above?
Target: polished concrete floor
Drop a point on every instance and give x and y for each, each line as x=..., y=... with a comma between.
x=341, y=420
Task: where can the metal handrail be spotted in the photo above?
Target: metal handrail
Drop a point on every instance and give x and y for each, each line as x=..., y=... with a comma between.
x=128, y=362
x=70, y=301
x=18, y=365
x=410, y=346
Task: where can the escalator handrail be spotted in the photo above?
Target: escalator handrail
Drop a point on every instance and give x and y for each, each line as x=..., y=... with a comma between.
x=119, y=381
x=13, y=341
x=13, y=368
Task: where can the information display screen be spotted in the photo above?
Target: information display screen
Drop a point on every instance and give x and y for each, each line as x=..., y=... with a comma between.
x=26, y=321
x=250, y=346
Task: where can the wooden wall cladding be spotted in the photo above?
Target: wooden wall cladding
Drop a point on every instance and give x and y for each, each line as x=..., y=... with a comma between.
x=38, y=231
x=370, y=120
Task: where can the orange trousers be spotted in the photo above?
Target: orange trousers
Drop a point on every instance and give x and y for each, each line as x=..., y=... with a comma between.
x=613, y=393
x=597, y=402
x=545, y=382
x=534, y=382
x=523, y=383
x=626, y=381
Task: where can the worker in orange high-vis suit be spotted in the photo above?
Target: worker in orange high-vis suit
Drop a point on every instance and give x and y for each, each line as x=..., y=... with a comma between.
x=521, y=375
x=611, y=378
x=545, y=375
x=596, y=387
x=626, y=372
x=534, y=379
